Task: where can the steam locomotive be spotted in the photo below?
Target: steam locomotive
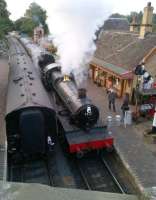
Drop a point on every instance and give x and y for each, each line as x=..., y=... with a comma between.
x=80, y=128
x=30, y=117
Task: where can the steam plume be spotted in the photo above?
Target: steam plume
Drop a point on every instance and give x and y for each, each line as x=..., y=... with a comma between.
x=73, y=25
x=36, y=51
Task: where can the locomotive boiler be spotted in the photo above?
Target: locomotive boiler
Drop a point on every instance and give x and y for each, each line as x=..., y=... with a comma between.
x=30, y=117
x=82, y=112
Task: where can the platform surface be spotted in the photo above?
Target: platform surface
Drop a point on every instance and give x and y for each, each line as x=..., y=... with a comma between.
x=14, y=191
x=4, y=69
x=138, y=155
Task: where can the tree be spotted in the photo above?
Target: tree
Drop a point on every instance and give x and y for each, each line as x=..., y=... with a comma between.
x=37, y=15
x=117, y=15
x=6, y=24
x=3, y=9
x=138, y=16
x=154, y=22
x=34, y=16
x=25, y=25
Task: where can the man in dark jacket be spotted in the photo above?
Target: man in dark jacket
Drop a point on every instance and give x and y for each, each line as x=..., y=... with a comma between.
x=111, y=99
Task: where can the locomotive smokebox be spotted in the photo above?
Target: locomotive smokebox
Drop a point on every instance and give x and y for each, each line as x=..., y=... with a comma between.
x=45, y=59
x=82, y=93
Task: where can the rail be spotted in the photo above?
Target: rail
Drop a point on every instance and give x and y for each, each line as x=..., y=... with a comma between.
x=113, y=176
x=84, y=177
x=102, y=175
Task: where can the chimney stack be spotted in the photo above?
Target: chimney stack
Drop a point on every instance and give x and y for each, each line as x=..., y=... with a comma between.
x=146, y=26
x=134, y=25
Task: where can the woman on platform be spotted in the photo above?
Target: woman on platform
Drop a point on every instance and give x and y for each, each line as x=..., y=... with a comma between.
x=125, y=105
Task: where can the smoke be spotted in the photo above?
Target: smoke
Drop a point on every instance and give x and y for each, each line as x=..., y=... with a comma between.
x=73, y=25
x=33, y=49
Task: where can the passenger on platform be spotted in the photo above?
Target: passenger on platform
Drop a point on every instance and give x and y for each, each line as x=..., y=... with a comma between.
x=125, y=105
x=148, y=83
x=111, y=99
x=153, y=131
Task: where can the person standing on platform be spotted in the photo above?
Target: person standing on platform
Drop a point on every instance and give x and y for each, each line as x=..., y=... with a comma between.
x=111, y=99
x=125, y=105
x=154, y=123
x=153, y=131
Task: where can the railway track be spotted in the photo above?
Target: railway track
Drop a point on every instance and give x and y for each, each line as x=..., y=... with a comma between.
x=31, y=172
x=97, y=175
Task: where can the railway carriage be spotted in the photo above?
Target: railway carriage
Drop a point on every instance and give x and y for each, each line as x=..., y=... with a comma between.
x=30, y=117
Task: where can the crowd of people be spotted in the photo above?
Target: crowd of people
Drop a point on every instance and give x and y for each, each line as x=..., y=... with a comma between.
x=145, y=81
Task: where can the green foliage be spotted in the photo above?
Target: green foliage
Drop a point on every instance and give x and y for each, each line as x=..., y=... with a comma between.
x=154, y=28
x=154, y=22
x=138, y=16
x=37, y=15
x=154, y=18
x=34, y=16
x=3, y=9
x=25, y=25
x=117, y=15
x=6, y=24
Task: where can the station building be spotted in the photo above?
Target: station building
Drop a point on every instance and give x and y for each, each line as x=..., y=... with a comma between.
x=120, y=48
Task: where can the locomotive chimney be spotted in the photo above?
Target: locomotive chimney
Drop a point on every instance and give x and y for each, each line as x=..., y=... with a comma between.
x=82, y=93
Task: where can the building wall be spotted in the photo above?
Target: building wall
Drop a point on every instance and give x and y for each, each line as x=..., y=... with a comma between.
x=106, y=79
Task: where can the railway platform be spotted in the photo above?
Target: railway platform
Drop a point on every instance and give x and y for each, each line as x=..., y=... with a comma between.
x=3, y=89
x=20, y=191
x=137, y=154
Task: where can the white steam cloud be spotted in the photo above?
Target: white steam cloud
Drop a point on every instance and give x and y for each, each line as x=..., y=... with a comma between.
x=73, y=25
x=34, y=50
